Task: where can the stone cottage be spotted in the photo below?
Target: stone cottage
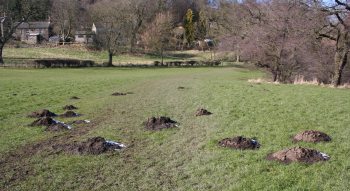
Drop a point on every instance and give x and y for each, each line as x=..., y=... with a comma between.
x=34, y=32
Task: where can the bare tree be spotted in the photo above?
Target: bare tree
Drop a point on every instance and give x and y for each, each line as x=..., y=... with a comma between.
x=12, y=16
x=159, y=33
x=276, y=35
x=337, y=29
x=141, y=13
x=235, y=21
x=64, y=16
x=114, y=23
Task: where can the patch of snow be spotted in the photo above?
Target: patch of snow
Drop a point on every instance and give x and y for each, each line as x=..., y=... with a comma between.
x=68, y=126
x=65, y=125
x=113, y=143
x=325, y=156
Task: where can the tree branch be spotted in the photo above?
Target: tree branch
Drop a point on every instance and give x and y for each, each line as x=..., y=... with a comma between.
x=327, y=36
x=340, y=19
x=347, y=6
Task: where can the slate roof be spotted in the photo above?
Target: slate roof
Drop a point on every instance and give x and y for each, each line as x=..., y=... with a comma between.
x=34, y=25
x=84, y=33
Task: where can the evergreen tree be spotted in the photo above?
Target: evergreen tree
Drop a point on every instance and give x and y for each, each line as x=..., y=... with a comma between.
x=202, y=26
x=189, y=27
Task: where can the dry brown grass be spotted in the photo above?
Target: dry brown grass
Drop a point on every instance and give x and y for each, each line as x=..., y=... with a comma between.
x=300, y=80
x=262, y=81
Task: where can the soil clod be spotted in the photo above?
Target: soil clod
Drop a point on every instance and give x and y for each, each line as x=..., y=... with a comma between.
x=69, y=107
x=159, y=123
x=70, y=114
x=42, y=113
x=298, y=154
x=312, y=136
x=44, y=121
x=58, y=127
x=118, y=94
x=93, y=146
x=201, y=112
x=240, y=142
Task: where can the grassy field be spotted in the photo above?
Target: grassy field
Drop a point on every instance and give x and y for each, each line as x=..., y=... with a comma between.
x=19, y=55
x=187, y=158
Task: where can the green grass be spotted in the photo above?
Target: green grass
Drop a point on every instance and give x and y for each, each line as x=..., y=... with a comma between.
x=20, y=55
x=187, y=158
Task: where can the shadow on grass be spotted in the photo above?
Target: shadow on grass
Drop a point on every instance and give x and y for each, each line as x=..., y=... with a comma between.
x=14, y=58
x=240, y=65
x=180, y=56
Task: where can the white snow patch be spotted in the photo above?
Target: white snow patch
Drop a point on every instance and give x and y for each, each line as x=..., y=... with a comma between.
x=116, y=143
x=325, y=156
x=65, y=125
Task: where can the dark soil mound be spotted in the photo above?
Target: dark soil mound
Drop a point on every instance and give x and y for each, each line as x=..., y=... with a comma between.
x=69, y=107
x=42, y=113
x=70, y=114
x=240, y=143
x=94, y=146
x=159, y=123
x=298, y=154
x=44, y=121
x=118, y=94
x=74, y=97
x=312, y=136
x=202, y=111
x=57, y=127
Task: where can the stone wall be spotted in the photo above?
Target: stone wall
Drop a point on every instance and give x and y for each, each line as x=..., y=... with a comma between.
x=52, y=63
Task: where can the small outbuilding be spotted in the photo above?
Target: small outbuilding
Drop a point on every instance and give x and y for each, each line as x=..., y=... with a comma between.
x=85, y=37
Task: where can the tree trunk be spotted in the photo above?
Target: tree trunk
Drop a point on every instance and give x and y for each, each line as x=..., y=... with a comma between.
x=134, y=33
x=161, y=52
x=340, y=62
x=132, y=43
x=274, y=76
x=110, y=58
x=276, y=73
x=1, y=59
x=237, y=54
